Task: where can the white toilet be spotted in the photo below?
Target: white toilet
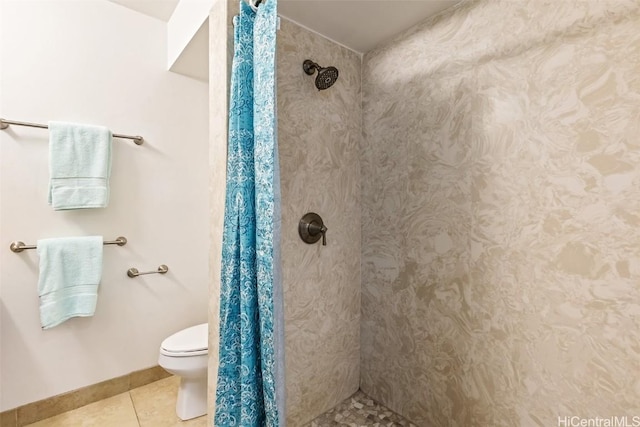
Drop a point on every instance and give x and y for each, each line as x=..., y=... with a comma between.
x=185, y=354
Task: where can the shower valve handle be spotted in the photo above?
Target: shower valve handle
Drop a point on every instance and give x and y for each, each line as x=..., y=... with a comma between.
x=311, y=227
x=315, y=228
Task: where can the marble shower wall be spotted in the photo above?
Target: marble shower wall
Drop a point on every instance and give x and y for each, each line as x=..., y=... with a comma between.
x=220, y=60
x=500, y=170
x=319, y=135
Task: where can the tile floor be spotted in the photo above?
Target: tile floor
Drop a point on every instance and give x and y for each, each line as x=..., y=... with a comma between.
x=152, y=405
x=360, y=411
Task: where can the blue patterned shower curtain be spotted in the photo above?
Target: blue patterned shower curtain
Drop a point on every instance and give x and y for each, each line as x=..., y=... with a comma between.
x=250, y=389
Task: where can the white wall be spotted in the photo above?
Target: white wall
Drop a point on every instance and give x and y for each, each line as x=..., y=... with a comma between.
x=188, y=39
x=92, y=61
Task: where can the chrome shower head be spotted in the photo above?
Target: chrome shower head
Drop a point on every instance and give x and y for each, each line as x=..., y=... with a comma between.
x=326, y=76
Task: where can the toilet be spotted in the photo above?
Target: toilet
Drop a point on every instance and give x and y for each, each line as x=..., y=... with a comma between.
x=185, y=354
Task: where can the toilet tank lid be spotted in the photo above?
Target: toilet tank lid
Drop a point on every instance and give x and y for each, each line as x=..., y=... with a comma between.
x=195, y=338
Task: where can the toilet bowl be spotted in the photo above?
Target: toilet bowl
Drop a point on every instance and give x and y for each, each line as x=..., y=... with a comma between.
x=185, y=354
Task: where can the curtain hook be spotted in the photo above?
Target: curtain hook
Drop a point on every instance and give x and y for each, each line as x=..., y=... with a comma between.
x=254, y=4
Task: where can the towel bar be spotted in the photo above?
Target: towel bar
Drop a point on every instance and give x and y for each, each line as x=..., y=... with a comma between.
x=20, y=246
x=4, y=123
x=133, y=272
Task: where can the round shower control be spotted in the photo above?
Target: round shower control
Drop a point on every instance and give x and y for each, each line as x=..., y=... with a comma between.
x=311, y=229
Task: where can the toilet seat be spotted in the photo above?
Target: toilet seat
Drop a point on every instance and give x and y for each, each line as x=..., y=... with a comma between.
x=193, y=341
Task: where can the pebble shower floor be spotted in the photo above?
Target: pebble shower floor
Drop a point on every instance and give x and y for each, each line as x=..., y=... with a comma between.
x=360, y=411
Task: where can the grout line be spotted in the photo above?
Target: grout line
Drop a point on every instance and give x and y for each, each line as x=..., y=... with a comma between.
x=135, y=411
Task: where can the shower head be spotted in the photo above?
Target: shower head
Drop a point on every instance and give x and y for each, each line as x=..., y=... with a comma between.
x=326, y=76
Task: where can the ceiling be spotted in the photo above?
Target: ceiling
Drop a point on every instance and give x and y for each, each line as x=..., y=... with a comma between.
x=161, y=9
x=359, y=25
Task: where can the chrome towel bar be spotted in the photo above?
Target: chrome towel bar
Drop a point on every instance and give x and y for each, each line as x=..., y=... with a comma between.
x=20, y=246
x=133, y=272
x=4, y=123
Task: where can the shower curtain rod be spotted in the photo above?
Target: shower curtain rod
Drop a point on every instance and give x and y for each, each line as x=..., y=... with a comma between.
x=4, y=123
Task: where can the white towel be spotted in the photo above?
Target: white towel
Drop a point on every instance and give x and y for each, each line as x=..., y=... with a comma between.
x=79, y=166
x=70, y=272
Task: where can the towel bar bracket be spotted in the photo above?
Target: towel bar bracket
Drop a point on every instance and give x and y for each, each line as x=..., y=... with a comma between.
x=120, y=241
x=19, y=247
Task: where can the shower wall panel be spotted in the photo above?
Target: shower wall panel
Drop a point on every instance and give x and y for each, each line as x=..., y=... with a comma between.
x=319, y=134
x=220, y=62
x=501, y=215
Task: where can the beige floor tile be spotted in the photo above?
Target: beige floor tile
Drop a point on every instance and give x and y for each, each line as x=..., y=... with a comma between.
x=155, y=405
x=116, y=411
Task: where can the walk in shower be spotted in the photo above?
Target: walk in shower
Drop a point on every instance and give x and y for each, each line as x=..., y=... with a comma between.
x=481, y=200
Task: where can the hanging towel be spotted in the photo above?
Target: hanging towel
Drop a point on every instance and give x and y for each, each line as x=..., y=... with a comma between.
x=79, y=166
x=70, y=271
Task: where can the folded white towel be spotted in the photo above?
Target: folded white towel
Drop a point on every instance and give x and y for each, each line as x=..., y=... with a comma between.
x=70, y=272
x=79, y=166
